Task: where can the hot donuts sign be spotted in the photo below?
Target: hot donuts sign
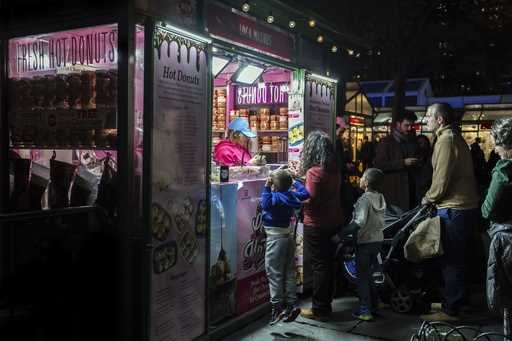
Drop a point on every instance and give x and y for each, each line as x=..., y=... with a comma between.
x=94, y=46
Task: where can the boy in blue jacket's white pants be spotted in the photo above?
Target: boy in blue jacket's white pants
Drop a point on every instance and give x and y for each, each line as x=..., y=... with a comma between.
x=279, y=199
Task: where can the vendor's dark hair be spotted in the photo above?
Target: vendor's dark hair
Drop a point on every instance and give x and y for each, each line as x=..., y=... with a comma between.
x=233, y=134
x=318, y=151
x=501, y=131
x=374, y=176
x=445, y=111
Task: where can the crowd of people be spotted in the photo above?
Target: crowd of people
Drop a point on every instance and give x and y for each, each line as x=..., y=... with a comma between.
x=406, y=171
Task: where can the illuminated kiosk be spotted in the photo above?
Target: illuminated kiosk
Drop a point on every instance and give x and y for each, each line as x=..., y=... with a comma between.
x=109, y=115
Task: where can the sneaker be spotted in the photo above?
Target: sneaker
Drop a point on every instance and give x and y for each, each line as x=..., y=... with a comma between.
x=291, y=314
x=435, y=307
x=363, y=315
x=309, y=314
x=439, y=316
x=375, y=311
x=375, y=314
x=277, y=315
x=383, y=305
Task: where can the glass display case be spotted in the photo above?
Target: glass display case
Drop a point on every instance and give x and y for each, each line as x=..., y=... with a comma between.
x=62, y=114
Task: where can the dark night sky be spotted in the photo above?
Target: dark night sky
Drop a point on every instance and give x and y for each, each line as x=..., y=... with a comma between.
x=463, y=46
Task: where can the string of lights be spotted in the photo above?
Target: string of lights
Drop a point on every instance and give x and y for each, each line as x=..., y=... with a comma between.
x=310, y=23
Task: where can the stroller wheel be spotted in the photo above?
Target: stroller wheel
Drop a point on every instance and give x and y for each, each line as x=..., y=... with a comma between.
x=401, y=301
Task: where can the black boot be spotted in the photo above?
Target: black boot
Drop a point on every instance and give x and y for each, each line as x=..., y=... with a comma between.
x=61, y=176
x=20, y=199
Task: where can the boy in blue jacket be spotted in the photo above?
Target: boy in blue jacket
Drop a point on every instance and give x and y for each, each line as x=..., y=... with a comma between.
x=280, y=198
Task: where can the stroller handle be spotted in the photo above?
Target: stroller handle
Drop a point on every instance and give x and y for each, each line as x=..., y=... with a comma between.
x=422, y=210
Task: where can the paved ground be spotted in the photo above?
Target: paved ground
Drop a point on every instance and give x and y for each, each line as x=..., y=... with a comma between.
x=390, y=326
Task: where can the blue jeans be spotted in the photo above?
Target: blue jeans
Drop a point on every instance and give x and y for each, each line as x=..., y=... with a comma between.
x=280, y=268
x=366, y=259
x=457, y=229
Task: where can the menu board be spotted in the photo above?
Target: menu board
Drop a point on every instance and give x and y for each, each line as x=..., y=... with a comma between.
x=320, y=105
x=252, y=285
x=223, y=251
x=62, y=89
x=296, y=115
x=179, y=205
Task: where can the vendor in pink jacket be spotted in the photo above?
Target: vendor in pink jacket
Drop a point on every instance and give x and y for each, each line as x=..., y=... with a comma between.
x=234, y=150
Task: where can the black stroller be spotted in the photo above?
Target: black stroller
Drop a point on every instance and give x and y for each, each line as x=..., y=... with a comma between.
x=400, y=283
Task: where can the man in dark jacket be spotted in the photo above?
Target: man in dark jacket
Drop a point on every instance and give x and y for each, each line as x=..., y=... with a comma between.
x=367, y=153
x=493, y=160
x=479, y=164
x=348, y=193
x=397, y=156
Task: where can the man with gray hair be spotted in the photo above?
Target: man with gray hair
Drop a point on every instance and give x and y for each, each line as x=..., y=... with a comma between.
x=454, y=193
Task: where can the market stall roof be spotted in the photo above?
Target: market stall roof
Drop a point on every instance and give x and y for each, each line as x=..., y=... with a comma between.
x=461, y=101
x=486, y=112
x=272, y=74
x=375, y=86
x=356, y=101
x=384, y=115
x=381, y=93
x=387, y=86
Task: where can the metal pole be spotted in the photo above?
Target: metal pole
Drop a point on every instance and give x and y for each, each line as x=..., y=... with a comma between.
x=208, y=261
x=149, y=31
x=506, y=324
x=5, y=235
x=126, y=226
x=4, y=127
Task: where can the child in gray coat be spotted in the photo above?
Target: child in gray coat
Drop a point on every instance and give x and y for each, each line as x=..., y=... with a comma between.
x=367, y=225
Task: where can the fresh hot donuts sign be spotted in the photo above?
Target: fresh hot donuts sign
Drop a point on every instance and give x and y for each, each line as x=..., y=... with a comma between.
x=92, y=46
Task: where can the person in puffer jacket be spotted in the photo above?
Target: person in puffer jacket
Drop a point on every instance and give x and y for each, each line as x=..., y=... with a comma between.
x=496, y=208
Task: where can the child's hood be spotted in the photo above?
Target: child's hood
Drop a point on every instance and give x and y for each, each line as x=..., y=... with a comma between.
x=286, y=199
x=376, y=200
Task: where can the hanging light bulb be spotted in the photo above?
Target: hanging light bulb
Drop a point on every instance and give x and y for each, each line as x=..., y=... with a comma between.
x=270, y=18
x=350, y=52
x=292, y=24
x=334, y=49
x=320, y=38
x=246, y=7
x=312, y=23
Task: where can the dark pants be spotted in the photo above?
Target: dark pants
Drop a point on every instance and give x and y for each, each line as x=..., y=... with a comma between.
x=320, y=251
x=366, y=259
x=457, y=229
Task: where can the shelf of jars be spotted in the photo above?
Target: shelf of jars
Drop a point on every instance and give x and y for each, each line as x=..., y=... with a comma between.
x=219, y=110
